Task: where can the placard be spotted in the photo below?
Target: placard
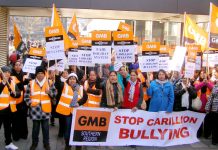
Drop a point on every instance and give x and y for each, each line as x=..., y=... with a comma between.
x=123, y=46
x=101, y=47
x=54, y=43
x=149, y=61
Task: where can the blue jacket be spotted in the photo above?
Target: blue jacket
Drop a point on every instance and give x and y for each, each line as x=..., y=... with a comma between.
x=162, y=98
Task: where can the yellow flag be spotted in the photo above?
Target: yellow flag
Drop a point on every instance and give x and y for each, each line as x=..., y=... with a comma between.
x=124, y=27
x=73, y=30
x=56, y=21
x=17, y=38
x=213, y=26
x=193, y=34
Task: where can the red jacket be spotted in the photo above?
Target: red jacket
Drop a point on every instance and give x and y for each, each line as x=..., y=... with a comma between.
x=127, y=104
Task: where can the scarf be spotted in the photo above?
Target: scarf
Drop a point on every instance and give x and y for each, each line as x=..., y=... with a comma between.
x=63, y=79
x=41, y=83
x=110, y=93
x=131, y=90
x=161, y=82
x=75, y=88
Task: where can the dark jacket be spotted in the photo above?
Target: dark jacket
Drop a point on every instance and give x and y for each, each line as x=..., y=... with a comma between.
x=179, y=91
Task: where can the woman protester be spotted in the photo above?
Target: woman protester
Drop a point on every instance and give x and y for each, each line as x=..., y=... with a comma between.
x=112, y=95
x=203, y=87
x=161, y=92
x=19, y=121
x=93, y=92
x=184, y=94
x=133, y=93
x=72, y=95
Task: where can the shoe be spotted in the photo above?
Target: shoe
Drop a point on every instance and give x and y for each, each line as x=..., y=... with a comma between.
x=47, y=147
x=33, y=146
x=11, y=146
x=67, y=147
x=214, y=143
x=16, y=139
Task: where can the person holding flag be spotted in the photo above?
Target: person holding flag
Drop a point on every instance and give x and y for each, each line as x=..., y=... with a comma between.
x=9, y=92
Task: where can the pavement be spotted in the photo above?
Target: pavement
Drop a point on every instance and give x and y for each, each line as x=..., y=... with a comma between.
x=59, y=143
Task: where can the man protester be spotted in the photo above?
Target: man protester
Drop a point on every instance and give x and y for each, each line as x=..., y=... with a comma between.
x=8, y=94
x=38, y=96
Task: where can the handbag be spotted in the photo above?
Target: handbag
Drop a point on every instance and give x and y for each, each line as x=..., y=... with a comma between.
x=196, y=103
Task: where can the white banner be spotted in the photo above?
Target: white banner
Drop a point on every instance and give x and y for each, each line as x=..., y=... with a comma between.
x=73, y=58
x=55, y=50
x=210, y=59
x=125, y=53
x=31, y=64
x=85, y=58
x=101, y=54
x=178, y=58
x=104, y=127
x=149, y=63
x=164, y=63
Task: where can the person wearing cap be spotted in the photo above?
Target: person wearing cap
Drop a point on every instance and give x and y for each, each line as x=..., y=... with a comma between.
x=71, y=95
x=8, y=94
x=19, y=120
x=38, y=95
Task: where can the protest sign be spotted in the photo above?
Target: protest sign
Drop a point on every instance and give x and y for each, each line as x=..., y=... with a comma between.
x=85, y=52
x=101, y=47
x=164, y=58
x=54, y=43
x=191, y=60
x=33, y=60
x=123, y=46
x=178, y=58
x=73, y=53
x=149, y=61
x=102, y=127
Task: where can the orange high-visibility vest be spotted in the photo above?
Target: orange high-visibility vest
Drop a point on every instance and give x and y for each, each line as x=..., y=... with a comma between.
x=20, y=99
x=63, y=106
x=6, y=99
x=142, y=79
x=39, y=97
x=93, y=100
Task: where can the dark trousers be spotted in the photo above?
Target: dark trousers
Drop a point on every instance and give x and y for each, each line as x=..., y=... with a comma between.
x=45, y=131
x=206, y=127
x=67, y=127
x=61, y=125
x=19, y=122
x=214, y=115
x=5, y=119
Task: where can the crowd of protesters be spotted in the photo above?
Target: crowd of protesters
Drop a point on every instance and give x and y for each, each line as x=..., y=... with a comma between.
x=47, y=95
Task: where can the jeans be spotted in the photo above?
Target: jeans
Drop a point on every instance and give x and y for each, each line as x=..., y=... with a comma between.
x=45, y=131
x=67, y=127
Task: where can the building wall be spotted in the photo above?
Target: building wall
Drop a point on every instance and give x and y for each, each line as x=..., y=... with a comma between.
x=200, y=7
x=3, y=36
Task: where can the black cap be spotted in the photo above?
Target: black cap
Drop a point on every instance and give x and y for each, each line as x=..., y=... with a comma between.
x=6, y=69
x=40, y=69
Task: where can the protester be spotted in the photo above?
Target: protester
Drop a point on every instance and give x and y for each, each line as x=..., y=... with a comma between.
x=63, y=78
x=9, y=93
x=133, y=93
x=212, y=108
x=72, y=95
x=94, y=94
x=38, y=96
x=112, y=95
x=161, y=93
x=175, y=78
x=77, y=71
x=184, y=94
x=203, y=87
x=19, y=121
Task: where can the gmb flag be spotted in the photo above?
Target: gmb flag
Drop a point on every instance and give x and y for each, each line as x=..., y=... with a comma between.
x=193, y=34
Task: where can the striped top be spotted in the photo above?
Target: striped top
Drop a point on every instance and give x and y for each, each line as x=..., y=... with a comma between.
x=212, y=103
